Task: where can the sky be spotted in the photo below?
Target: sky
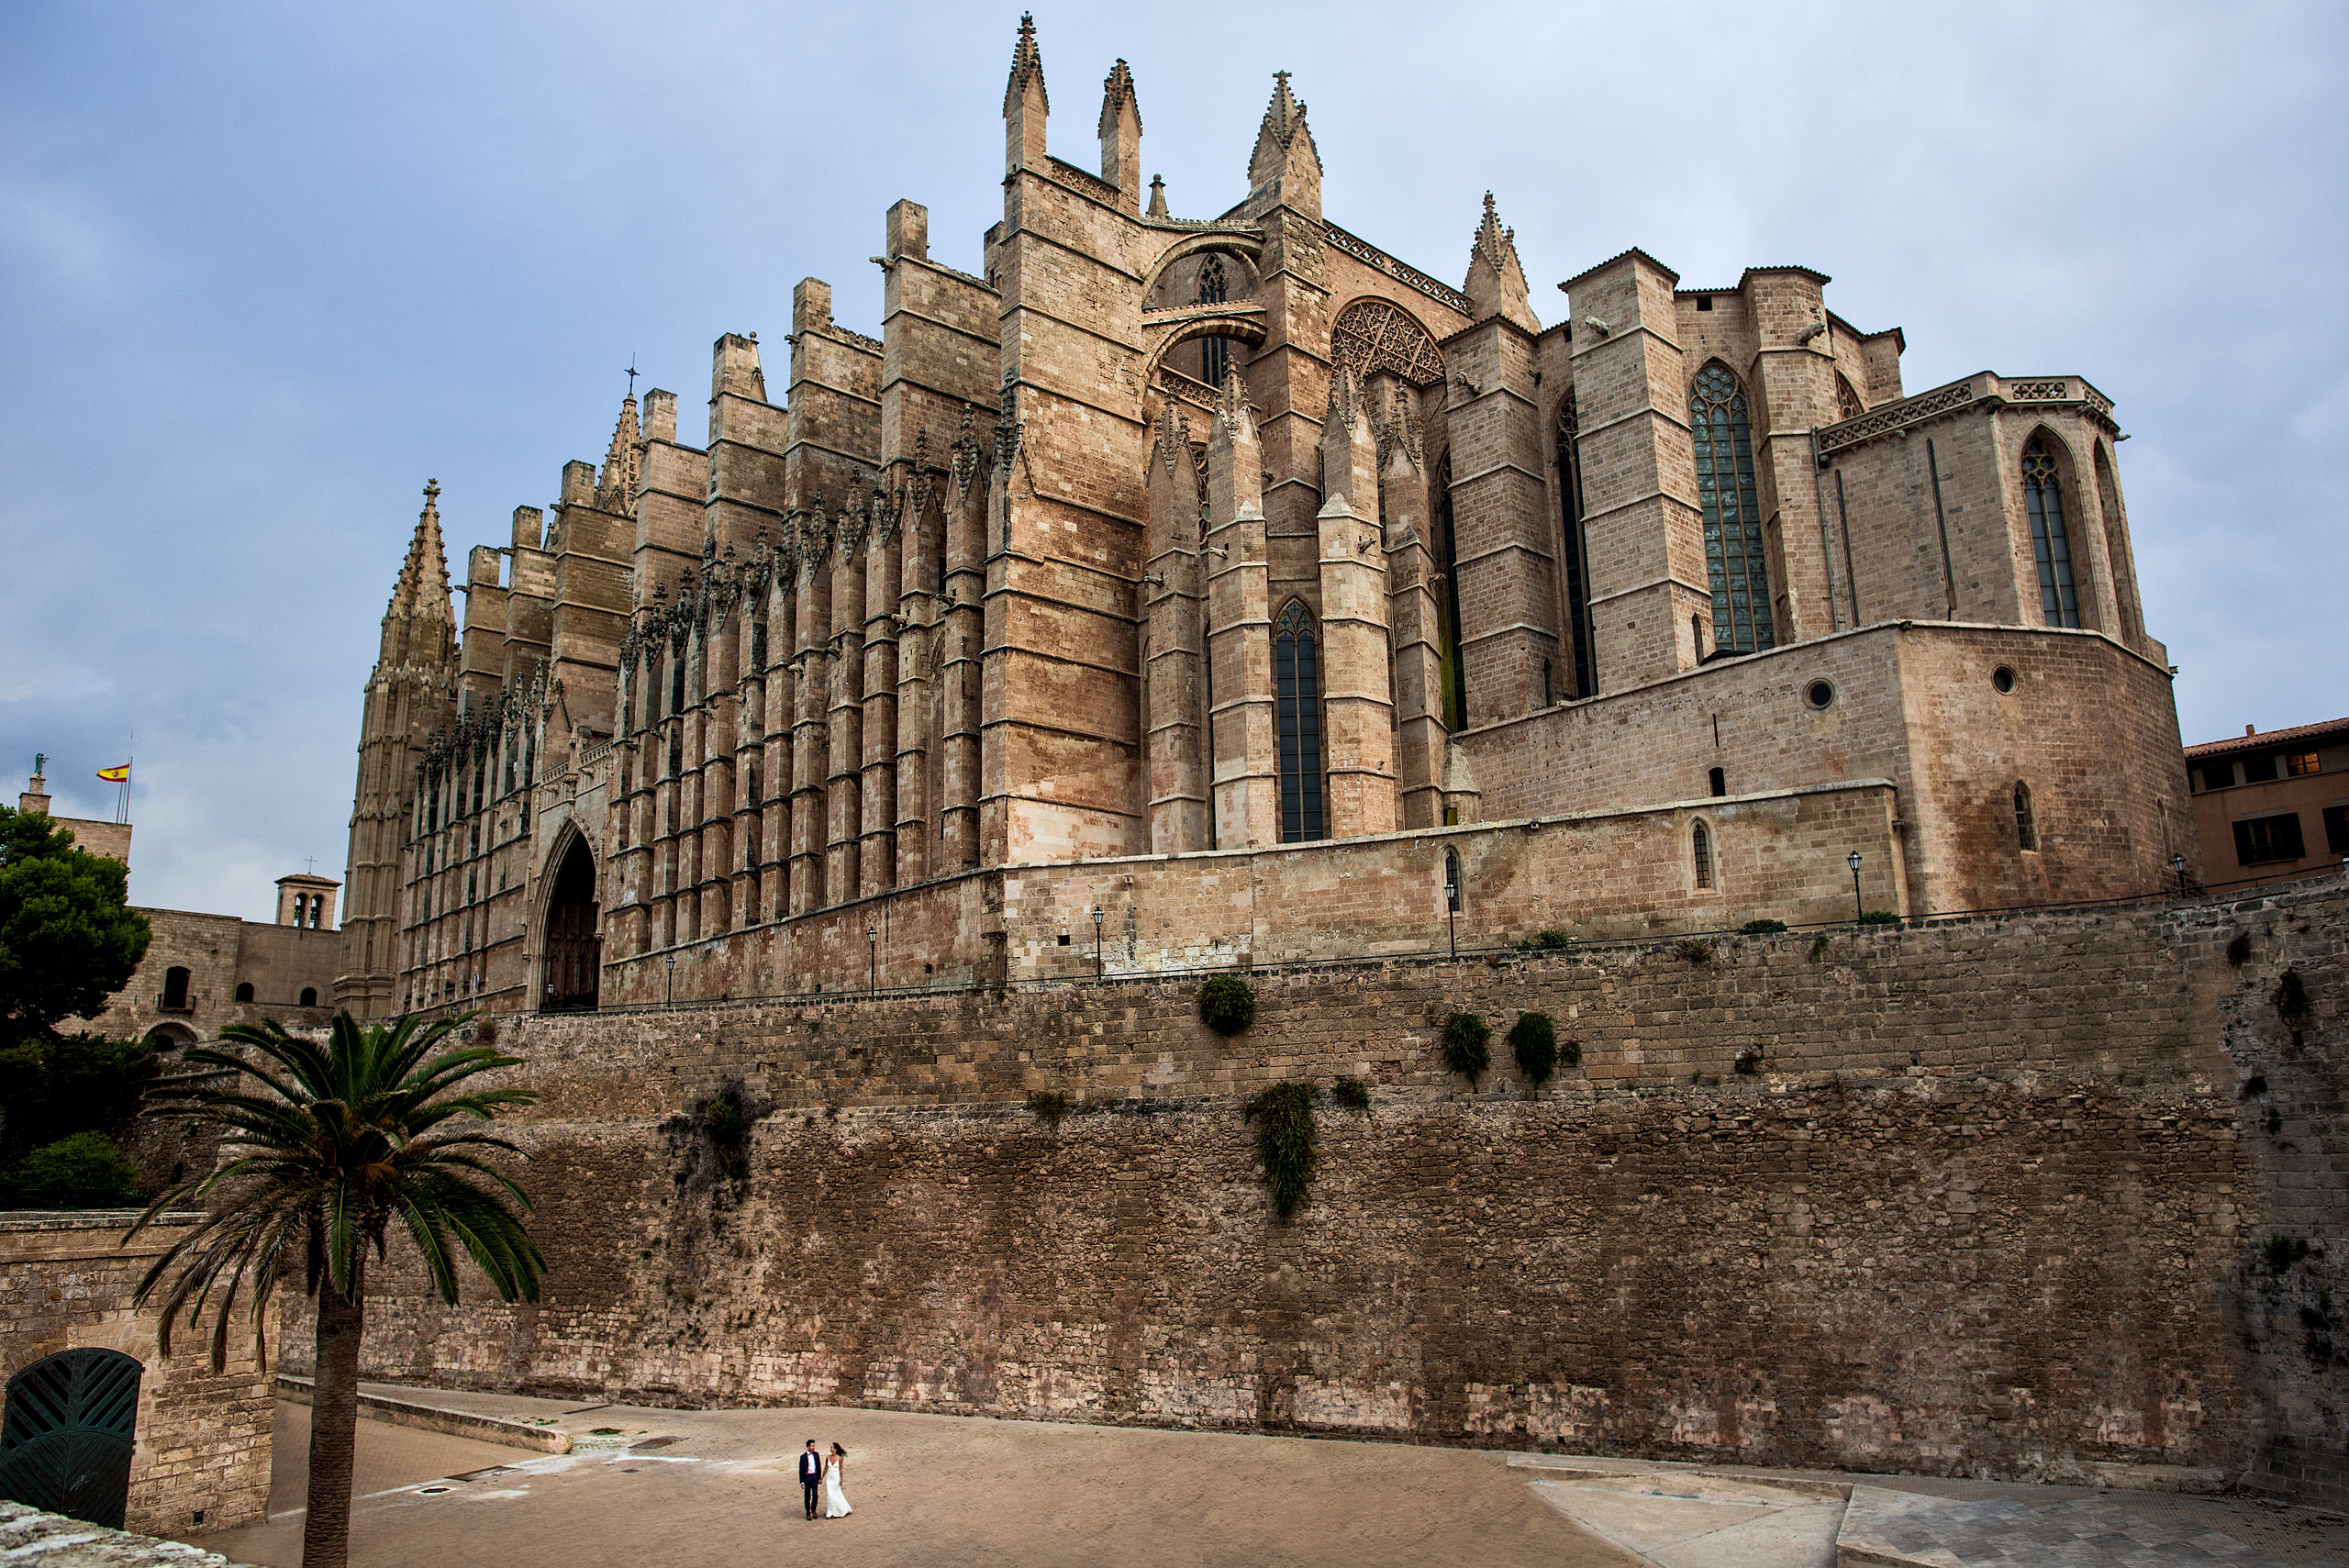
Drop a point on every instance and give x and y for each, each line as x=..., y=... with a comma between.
x=267, y=268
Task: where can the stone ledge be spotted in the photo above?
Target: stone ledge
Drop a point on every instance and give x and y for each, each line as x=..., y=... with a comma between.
x=30, y=1536
x=431, y=1419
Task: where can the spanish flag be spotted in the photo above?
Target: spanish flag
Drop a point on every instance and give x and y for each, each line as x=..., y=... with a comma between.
x=115, y=775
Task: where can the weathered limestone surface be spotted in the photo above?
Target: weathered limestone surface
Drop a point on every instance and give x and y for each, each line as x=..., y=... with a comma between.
x=1996, y=1199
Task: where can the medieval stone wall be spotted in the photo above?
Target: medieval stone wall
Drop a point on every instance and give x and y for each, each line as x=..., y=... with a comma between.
x=200, y=1445
x=1997, y=1198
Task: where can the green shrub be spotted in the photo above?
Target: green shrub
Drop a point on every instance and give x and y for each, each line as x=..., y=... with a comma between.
x=1467, y=1048
x=1051, y=1106
x=84, y=1171
x=1227, y=1004
x=2292, y=1003
x=1878, y=918
x=2283, y=1251
x=2239, y=948
x=1762, y=928
x=1548, y=939
x=1352, y=1093
x=1534, y=1042
x=1819, y=945
x=1284, y=1139
x=1696, y=950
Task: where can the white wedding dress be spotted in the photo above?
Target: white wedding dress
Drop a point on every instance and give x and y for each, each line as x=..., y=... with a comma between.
x=835, y=1500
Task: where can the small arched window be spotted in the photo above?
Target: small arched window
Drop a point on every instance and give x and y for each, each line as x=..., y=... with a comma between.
x=1701, y=846
x=175, y=981
x=1296, y=687
x=2051, y=542
x=1215, y=354
x=244, y=990
x=2026, y=825
x=308, y=999
x=1732, y=509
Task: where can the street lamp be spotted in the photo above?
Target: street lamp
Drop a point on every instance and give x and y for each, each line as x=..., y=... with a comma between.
x=1096, y=941
x=1858, y=914
x=2177, y=864
x=673, y=980
x=872, y=945
x=1451, y=899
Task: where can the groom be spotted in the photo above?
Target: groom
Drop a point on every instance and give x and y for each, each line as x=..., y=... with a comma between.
x=811, y=1474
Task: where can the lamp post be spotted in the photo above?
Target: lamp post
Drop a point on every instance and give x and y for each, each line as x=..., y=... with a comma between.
x=1096, y=941
x=1858, y=912
x=673, y=980
x=1452, y=908
x=872, y=944
x=2177, y=864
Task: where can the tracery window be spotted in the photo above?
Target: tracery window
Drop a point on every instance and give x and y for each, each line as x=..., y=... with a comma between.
x=2050, y=543
x=1734, y=559
x=1215, y=354
x=2026, y=826
x=1847, y=400
x=1297, y=681
x=1583, y=679
x=1453, y=678
x=1701, y=844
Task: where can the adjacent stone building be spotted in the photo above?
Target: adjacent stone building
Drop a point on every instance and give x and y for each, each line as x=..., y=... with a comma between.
x=1237, y=590
x=203, y=972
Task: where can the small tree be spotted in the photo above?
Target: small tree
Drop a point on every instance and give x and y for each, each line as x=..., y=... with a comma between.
x=341, y=1140
x=1285, y=1141
x=1227, y=1004
x=1533, y=1039
x=1467, y=1046
x=69, y=938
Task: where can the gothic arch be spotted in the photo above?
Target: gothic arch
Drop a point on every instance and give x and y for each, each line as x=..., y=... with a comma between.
x=1296, y=687
x=1250, y=251
x=1728, y=491
x=2055, y=526
x=1373, y=334
x=1248, y=329
x=570, y=943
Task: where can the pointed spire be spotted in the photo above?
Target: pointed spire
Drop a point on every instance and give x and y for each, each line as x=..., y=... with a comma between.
x=1174, y=436
x=1117, y=95
x=1157, y=196
x=1286, y=167
x=419, y=625
x=1233, y=413
x=1121, y=135
x=1342, y=408
x=1496, y=278
x=1026, y=65
x=1025, y=103
x=616, y=486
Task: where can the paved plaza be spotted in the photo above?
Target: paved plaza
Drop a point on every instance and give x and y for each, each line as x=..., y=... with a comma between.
x=716, y=1487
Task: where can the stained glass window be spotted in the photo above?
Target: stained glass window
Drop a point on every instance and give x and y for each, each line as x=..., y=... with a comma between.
x=2050, y=543
x=1725, y=487
x=1297, y=682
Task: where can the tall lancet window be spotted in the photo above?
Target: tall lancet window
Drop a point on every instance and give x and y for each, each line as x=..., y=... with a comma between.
x=1215, y=354
x=1297, y=685
x=1450, y=670
x=2050, y=544
x=1733, y=558
x=1582, y=679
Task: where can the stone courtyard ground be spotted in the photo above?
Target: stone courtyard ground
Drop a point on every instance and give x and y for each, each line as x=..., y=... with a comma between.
x=716, y=1487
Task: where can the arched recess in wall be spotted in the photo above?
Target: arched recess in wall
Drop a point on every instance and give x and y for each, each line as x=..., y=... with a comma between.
x=1701, y=855
x=1735, y=563
x=2047, y=469
x=1848, y=402
x=2116, y=546
x=2026, y=818
x=1200, y=273
x=572, y=962
x=1573, y=556
x=1297, y=692
x=1372, y=335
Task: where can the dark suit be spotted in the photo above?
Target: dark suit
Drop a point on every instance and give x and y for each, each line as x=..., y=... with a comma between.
x=811, y=1477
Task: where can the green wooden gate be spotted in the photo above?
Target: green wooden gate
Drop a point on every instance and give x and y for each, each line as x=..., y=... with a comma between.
x=65, y=1439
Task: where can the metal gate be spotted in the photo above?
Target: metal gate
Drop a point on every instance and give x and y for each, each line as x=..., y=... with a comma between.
x=65, y=1440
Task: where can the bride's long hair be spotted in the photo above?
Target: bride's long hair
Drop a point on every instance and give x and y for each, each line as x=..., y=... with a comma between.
x=839, y=1451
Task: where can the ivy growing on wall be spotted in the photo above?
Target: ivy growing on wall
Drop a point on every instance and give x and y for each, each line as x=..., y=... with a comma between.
x=1467, y=1046
x=1285, y=1141
x=1533, y=1039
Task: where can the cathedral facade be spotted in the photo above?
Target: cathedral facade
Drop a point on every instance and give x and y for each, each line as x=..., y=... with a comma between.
x=1188, y=591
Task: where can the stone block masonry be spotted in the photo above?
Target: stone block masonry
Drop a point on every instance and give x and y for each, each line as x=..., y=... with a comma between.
x=1997, y=1198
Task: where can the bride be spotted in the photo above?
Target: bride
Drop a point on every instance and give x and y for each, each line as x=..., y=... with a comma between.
x=835, y=1500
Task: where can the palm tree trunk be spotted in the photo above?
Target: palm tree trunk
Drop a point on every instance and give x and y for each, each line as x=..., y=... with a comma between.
x=334, y=1422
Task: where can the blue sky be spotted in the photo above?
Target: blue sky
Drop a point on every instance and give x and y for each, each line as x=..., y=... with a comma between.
x=264, y=268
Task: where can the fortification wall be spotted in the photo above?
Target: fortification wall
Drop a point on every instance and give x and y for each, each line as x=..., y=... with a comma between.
x=1997, y=1200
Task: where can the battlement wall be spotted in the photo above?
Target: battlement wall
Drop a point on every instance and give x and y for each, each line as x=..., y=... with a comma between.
x=1997, y=1198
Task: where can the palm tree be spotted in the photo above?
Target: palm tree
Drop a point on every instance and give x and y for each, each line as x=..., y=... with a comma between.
x=339, y=1140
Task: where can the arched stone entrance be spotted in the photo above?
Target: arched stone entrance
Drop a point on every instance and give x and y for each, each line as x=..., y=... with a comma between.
x=65, y=1439
x=574, y=952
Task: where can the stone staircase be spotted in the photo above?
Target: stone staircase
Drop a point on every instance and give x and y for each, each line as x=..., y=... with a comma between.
x=1690, y=1516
